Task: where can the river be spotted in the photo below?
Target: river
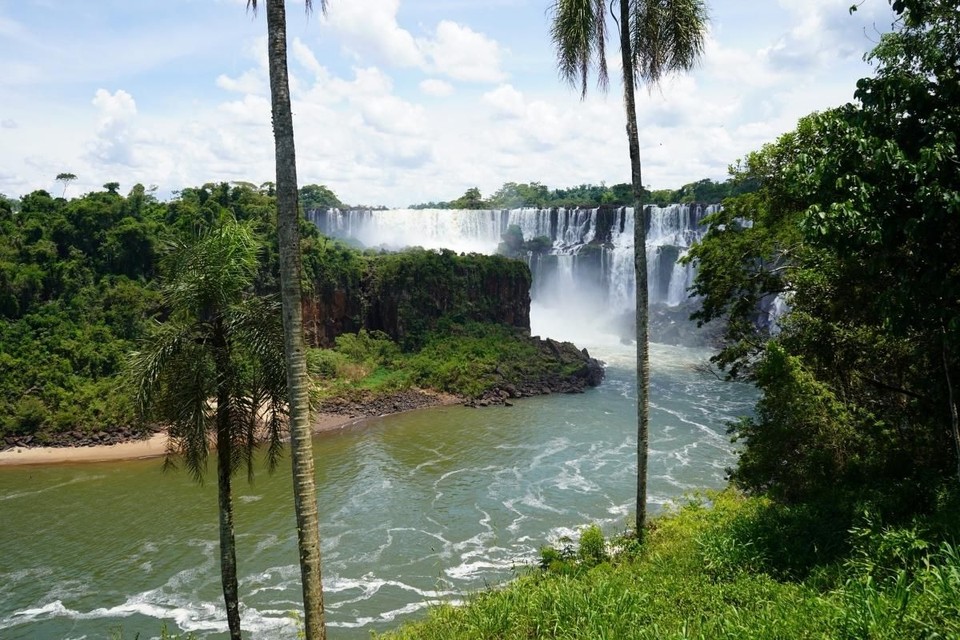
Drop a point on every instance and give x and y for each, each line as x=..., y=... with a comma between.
x=415, y=509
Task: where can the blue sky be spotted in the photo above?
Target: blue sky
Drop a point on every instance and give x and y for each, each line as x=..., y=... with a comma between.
x=395, y=101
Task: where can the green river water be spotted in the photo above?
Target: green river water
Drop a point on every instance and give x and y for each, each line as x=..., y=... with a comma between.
x=415, y=509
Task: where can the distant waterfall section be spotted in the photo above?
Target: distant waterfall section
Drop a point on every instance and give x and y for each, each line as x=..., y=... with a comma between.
x=581, y=258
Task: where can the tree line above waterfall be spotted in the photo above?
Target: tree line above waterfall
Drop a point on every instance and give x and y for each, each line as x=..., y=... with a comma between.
x=513, y=195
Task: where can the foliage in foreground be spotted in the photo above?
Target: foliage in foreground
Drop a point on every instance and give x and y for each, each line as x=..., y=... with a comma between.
x=729, y=567
x=856, y=226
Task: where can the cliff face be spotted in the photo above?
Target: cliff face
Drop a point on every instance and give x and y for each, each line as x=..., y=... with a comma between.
x=406, y=294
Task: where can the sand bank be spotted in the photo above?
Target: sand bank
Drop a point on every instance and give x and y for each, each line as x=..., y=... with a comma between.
x=156, y=445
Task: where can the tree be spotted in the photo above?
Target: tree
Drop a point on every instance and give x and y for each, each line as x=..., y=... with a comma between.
x=288, y=231
x=471, y=199
x=657, y=37
x=219, y=342
x=66, y=179
x=512, y=195
x=318, y=196
x=856, y=222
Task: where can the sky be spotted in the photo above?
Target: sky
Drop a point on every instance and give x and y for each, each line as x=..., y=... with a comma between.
x=395, y=101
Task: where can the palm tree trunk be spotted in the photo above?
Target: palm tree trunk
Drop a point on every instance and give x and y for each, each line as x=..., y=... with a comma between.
x=954, y=420
x=228, y=548
x=228, y=545
x=640, y=270
x=288, y=230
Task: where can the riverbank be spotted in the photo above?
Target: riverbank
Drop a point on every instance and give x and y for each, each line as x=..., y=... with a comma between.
x=332, y=416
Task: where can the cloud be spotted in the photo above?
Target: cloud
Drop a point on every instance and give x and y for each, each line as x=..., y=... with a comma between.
x=506, y=101
x=12, y=29
x=372, y=32
x=825, y=31
x=436, y=88
x=250, y=81
x=12, y=183
x=463, y=54
x=744, y=68
x=250, y=110
x=114, y=140
x=383, y=109
x=305, y=57
x=9, y=123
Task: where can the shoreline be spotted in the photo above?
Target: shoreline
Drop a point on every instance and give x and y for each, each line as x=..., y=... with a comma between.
x=156, y=445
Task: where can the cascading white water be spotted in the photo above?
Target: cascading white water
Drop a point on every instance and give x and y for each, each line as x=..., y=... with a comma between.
x=591, y=259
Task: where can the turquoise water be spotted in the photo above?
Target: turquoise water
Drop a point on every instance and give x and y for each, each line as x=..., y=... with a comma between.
x=415, y=508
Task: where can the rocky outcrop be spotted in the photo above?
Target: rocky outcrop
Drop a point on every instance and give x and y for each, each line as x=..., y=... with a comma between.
x=572, y=370
x=76, y=438
x=369, y=405
x=329, y=314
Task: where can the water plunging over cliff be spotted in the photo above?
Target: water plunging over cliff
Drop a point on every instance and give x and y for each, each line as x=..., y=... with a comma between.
x=587, y=265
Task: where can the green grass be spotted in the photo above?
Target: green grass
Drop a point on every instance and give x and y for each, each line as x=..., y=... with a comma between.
x=708, y=571
x=461, y=359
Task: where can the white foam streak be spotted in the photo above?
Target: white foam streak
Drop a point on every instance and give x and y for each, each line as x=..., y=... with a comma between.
x=36, y=492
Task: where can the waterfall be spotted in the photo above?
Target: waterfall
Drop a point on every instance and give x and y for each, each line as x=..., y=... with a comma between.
x=590, y=261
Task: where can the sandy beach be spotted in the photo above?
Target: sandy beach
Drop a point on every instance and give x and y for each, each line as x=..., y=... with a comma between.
x=156, y=445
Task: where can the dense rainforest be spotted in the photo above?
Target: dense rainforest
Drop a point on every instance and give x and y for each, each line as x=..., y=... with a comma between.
x=80, y=280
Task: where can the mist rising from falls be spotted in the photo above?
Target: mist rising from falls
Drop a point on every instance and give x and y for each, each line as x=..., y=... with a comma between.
x=583, y=285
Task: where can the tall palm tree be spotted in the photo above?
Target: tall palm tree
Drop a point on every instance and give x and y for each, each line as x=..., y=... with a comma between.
x=288, y=231
x=219, y=342
x=657, y=37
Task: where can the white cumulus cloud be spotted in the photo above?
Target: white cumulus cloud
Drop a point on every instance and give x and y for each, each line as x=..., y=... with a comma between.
x=371, y=31
x=435, y=87
x=463, y=54
x=114, y=142
x=506, y=101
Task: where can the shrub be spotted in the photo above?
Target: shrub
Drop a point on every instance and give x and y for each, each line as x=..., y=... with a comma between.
x=593, y=547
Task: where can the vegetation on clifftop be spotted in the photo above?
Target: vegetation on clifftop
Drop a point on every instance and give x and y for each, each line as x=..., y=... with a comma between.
x=474, y=360
x=513, y=195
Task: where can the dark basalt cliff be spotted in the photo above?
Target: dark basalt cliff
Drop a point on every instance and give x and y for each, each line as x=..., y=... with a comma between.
x=406, y=294
x=414, y=293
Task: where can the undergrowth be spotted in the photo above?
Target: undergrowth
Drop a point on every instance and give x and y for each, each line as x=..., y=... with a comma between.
x=463, y=359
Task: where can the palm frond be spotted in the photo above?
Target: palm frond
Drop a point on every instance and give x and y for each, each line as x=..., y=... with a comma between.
x=241, y=433
x=191, y=417
x=578, y=32
x=218, y=342
x=213, y=270
x=667, y=36
x=145, y=369
x=276, y=421
x=257, y=325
